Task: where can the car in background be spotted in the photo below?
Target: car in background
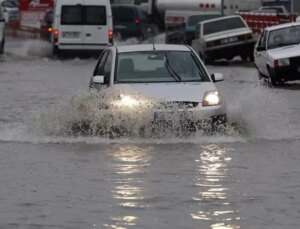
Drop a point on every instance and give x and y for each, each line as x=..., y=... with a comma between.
x=171, y=75
x=10, y=10
x=2, y=27
x=81, y=26
x=224, y=37
x=129, y=21
x=277, y=53
x=46, y=26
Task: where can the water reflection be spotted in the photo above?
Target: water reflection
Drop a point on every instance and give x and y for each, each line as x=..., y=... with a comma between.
x=213, y=194
x=129, y=165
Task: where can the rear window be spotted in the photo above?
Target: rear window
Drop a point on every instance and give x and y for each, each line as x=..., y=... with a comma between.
x=123, y=14
x=83, y=15
x=195, y=19
x=223, y=25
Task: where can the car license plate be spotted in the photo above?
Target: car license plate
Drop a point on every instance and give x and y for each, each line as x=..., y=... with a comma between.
x=229, y=40
x=70, y=34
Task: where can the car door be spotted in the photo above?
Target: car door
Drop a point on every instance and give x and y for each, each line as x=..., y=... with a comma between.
x=260, y=52
x=70, y=29
x=97, y=24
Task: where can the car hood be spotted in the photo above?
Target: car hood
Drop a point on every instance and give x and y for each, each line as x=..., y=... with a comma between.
x=285, y=52
x=187, y=92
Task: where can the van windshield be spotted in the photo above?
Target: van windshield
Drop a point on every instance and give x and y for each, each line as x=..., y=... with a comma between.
x=83, y=15
x=223, y=25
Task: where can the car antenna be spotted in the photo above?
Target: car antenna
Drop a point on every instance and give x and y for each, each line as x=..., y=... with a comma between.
x=153, y=47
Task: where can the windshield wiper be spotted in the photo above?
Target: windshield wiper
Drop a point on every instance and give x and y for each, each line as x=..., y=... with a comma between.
x=172, y=72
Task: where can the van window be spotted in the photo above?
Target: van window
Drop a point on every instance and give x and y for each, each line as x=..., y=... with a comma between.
x=83, y=15
x=71, y=15
x=95, y=15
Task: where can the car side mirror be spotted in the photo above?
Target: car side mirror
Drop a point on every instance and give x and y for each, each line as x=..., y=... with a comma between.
x=98, y=79
x=216, y=77
x=260, y=49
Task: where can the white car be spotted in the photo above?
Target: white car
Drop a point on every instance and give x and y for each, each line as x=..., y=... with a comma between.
x=171, y=75
x=277, y=53
x=224, y=37
x=2, y=27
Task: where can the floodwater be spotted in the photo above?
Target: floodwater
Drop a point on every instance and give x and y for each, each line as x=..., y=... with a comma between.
x=248, y=178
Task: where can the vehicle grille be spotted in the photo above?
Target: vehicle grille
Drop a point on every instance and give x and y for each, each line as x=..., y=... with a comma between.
x=177, y=105
x=295, y=61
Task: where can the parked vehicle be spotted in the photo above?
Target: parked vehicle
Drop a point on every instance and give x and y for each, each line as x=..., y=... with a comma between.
x=46, y=26
x=82, y=25
x=130, y=21
x=10, y=10
x=2, y=27
x=224, y=37
x=277, y=53
x=278, y=9
x=169, y=74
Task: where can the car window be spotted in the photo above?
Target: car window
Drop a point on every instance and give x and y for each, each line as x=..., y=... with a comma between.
x=284, y=37
x=159, y=66
x=95, y=15
x=195, y=19
x=71, y=15
x=262, y=40
x=83, y=15
x=100, y=66
x=223, y=25
x=123, y=14
x=107, y=68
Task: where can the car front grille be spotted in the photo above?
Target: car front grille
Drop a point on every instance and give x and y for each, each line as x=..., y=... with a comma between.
x=295, y=61
x=177, y=105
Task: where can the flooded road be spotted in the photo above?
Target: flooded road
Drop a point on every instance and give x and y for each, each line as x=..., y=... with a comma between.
x=249, y=178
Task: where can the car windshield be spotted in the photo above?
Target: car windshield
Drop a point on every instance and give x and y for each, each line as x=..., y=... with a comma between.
x=159, y=66
x=223, y=25
x=284, y=37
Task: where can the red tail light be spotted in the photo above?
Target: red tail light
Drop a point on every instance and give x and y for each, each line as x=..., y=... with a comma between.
x=55, y=33
x=137, y=21
x=110, y=35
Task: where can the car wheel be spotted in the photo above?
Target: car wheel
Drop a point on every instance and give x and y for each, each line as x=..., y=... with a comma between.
x=56, y=52
x=272, y=78
x=2, y=47
x=251, y=56
x=244, y=57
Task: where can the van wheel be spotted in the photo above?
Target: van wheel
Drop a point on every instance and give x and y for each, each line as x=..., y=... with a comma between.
x=56, y=52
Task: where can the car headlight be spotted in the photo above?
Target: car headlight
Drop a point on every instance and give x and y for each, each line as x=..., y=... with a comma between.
x=281, y=62
x=211, y=98
x=126, y=101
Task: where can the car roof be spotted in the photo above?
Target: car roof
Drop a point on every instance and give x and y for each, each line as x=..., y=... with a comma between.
x=220, y=18
x=151, y=47
x=282, y=26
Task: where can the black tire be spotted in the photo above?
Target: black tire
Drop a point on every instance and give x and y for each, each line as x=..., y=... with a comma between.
x=2, y=47
x=273, y=79
x=56, y=52
x=251, y=56
x=244, y=57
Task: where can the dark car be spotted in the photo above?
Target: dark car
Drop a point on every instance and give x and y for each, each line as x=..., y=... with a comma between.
x=46, y=26
x=130, y=21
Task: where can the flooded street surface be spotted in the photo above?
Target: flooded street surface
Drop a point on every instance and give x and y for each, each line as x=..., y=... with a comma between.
x=249, y=178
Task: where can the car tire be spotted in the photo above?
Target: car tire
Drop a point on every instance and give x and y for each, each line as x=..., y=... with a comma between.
x=2, y=47
x=272, y=78
x=244, y=57
x=56, y=52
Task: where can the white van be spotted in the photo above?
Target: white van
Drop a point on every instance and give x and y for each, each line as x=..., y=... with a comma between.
x=82, y=25
x=2, y=27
